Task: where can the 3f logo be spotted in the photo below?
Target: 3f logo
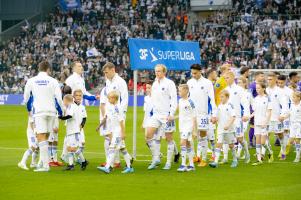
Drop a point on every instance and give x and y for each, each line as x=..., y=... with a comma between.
x=143, y=54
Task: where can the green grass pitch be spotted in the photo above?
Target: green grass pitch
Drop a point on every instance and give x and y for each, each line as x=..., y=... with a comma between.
x=280, y=180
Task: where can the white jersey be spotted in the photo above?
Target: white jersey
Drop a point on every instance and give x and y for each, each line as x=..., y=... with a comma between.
x=76, y=112
x=239, y=100
x=288, y=93
x=187, y=113
x=261, y=105
x=295, y=112
x=119, y=85
x=114, y=117
x=224, y=114
x=164, y=97
x=147, y=108
x=202, y=94
x=46, y=95
x=75, y=81
x=278, y=101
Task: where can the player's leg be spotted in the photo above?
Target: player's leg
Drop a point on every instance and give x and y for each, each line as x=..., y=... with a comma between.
x=211, y=139
x=219, y=144
x=44, y=125
x=258, y=134
x=170, y=150
x=79, y=153
x=295, y=136
x=225, y=153
x=190, y=154
x=184, y=137
x=152, y=128
x=111, y=155
x=203, y=126
x=231, y=139
x=127, y=157
x=298, y=149
x=286, y=127
x=241, y=139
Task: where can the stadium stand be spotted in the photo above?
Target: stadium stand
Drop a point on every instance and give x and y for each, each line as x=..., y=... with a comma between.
x=260, y=36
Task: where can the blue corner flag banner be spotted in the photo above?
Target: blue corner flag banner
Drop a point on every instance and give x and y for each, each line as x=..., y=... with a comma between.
x=70, y=4
x=175, y=55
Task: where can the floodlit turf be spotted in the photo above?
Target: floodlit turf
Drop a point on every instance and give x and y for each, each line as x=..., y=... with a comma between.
x=280, y=180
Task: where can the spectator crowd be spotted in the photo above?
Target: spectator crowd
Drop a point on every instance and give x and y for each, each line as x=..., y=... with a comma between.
x=258, y=34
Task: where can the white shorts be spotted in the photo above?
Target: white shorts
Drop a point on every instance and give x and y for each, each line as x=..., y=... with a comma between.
x=53, y=137
x=295, y=130
x=72, y=140
x=245, y=126
x=239, y=128
x=82, y=138
x=159, y=133
x=276, y=127
x=186, y=135
x=258, y=130
x=44, y=124
x=211, y=134
x=286, y=125
x=117, y=143
x=202, y=122
x=226, y=138
x=145, y=121
x=157, y=121
x=31, y=138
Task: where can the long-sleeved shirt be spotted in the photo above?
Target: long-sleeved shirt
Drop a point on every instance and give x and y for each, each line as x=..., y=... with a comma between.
x=75, y=81
x=202, y=94
x=119, y=85
x=239, y=101
x=164, y=97
x=278, y=101
x=45, y=94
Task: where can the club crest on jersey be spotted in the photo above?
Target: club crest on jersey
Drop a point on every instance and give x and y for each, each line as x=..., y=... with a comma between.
x=202, y=87
x=163, y=89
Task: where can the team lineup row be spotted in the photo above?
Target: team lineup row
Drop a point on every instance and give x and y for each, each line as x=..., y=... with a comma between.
x=206, y=106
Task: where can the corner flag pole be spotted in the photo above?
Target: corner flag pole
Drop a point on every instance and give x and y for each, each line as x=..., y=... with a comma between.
x=135, y=115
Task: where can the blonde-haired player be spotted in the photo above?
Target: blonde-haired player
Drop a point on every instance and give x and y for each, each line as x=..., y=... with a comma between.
x=262, y=115
x=73, y=117
x=114, y=121
x=226, y=128
x=187, y=125
x=242, y=109
x=295, y=123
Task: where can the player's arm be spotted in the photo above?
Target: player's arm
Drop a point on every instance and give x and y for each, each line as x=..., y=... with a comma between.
x=102, y=123
x=212, y=102
x=84, y=120
x=65, y=117
x=173, y=99
x=121, y=122
x=246, y=106
x=124, y=95
x=28, y=98
x=232, y=118
x=58, y=98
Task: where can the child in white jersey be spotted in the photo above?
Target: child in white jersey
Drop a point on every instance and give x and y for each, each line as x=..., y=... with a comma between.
x=226, y=129
x=262, y=115
x=114, y=120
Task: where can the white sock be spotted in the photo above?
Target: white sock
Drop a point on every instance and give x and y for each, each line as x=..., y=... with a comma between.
x=157, y=147
x=44, y=153
x=190, y=154
x=239, y=149
x=26, y=155
x=204, y=147
x=268, y=148
x=226, y=151
x=245, y=147
x=54, y=153
x=234, y=154
x=192, y=146
x=298, y=147
x=183, y=154
x=80, y=155
x=170, y=150
x=117, y=157
x=34, y=157
x=217, y=154
x=258, y=152
x=151, y=147
x=127, y=158
x=50, y=152
x=111, y=158
x=176, y=151
x=70, y=158
x=263, y=149
x=106, y=147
